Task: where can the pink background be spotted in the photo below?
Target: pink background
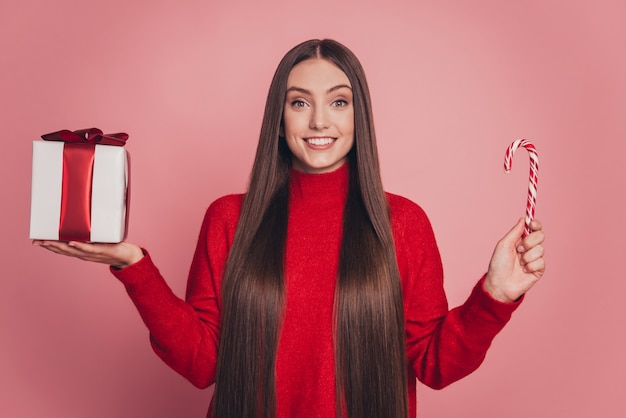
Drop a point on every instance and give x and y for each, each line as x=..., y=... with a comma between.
x=453, y=84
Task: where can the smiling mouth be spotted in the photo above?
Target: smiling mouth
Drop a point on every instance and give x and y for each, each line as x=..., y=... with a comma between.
x=320, y=141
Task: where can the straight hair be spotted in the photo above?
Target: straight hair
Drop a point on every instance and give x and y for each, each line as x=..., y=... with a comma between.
x=369, y=336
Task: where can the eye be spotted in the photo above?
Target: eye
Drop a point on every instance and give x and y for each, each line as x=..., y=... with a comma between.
x=340, y=103
x=298, y=103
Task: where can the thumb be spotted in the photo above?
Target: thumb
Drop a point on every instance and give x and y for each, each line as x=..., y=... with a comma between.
x=515, y=234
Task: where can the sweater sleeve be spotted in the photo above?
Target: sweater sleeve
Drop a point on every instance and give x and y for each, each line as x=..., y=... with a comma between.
x=185, y=333
x=443, y=345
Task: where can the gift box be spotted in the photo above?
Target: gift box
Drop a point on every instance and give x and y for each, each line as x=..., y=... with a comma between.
x=80, y=187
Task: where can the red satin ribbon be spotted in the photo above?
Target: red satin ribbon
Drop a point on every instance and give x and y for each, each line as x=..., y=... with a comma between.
x=75, y=222
x=78, y=158
x=88, y=136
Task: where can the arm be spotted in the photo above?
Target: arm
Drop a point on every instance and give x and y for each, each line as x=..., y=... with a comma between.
x=444, y=346
x=184, y=333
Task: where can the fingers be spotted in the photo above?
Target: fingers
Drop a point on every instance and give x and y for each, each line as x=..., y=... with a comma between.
x=532, y=254
x=532, y=250
x=536, y=237
x=82, y=250
x=54, y=246
x=535, y=225
x=84, y=247
x=62, y=247
x=532, y=260
x=536, y=268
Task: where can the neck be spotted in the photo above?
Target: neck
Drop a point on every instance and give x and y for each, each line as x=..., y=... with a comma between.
x=319, y=186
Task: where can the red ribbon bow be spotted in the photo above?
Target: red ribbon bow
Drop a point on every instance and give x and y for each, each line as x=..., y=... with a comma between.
x=87, y=136
x=78, y=161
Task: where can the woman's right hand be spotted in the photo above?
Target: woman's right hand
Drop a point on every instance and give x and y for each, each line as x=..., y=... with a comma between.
x=118, y=255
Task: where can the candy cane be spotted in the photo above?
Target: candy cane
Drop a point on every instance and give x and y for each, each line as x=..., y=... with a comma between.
x=532, y=184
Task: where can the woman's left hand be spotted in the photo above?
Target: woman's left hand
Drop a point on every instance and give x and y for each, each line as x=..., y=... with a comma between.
x=516, y=264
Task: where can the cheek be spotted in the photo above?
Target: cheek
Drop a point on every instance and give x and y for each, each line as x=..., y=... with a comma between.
x=290, y=125
x=293, y=146
x=347, y=122
x=289, y=130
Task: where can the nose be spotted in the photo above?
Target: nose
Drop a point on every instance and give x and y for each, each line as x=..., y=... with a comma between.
x=319, y=118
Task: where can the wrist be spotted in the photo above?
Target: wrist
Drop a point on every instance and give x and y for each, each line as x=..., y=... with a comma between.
x=135, y=254
x=495, y=292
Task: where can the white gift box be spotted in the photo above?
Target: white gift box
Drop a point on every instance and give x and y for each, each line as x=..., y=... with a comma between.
x=109, y=192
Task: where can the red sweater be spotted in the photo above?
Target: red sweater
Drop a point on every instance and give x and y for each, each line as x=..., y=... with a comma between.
x=442, y=346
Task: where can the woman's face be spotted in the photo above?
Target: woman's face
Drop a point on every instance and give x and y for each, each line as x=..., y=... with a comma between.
x=318, y=116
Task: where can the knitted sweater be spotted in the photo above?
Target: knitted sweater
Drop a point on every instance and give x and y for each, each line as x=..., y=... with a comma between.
x=442, y=346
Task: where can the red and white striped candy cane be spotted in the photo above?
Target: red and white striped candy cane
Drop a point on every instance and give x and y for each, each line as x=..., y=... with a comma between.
x=532, y=184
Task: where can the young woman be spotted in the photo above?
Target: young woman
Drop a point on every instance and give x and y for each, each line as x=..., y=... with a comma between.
x=316, y=293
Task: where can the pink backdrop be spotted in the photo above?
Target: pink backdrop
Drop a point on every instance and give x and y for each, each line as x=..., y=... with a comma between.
x=453, y=84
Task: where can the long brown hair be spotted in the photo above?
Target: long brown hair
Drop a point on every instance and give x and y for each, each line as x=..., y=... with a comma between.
x=370, y=358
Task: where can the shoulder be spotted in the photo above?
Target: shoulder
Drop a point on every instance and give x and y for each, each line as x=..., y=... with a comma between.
x=403, y=209
x=415, y=242
x=224, y=210
x=409, y=222
x=227, y=204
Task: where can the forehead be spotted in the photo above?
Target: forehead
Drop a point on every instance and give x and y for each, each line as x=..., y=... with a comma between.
x=316, y=73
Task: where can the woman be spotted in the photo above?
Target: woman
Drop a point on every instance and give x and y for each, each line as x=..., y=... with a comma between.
x=316, y=293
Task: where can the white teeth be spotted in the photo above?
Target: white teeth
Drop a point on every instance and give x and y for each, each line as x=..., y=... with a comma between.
x=319, y=141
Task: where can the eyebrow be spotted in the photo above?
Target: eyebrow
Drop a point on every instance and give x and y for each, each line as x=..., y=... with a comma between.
x=330, y=90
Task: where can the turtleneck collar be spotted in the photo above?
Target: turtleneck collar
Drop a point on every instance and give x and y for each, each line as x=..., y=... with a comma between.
x=326, y=186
